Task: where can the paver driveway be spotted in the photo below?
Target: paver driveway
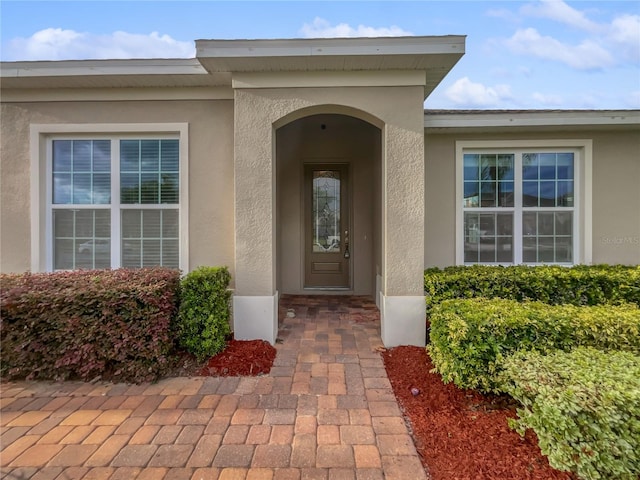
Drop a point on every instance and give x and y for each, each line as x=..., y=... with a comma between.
x=326, y=411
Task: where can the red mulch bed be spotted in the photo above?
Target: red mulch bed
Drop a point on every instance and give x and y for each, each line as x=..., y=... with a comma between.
x=462, y=435
x=241, y=358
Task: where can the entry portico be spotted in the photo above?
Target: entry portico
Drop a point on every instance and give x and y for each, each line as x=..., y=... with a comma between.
x=381, y=82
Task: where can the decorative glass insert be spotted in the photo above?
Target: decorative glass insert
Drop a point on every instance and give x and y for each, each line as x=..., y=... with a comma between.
x=547, y=179
x=81, y=239
x=150, y=238
x=149, y=171
x=326, y=211
x=488, y=237
x=81, y=172
x=488, y=180
x=547, y=237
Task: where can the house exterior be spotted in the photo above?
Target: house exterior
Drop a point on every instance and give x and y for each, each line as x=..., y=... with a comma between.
x=307, y=167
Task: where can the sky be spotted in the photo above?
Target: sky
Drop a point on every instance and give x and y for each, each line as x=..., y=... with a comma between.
x=536, y=54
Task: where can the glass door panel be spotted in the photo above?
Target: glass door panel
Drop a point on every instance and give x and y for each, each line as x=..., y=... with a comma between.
x=326, y=211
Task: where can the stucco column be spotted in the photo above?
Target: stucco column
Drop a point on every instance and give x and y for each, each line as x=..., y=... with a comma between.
x=402, y=304
x=255, y=303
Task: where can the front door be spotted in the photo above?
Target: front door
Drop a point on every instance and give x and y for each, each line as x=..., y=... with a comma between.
x=327, y=227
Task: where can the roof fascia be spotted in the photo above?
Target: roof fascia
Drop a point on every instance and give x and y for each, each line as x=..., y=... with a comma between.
x=532, y=118
x=310, y=47
x=188, y=66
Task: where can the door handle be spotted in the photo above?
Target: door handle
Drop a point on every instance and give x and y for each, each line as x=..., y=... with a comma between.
x=346, y=244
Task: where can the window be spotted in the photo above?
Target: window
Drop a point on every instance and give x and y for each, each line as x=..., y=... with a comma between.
x=113, y=202
x=521, y=205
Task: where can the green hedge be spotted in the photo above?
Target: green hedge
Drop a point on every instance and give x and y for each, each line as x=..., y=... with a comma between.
x=579, y=285
x=470, y=338
x=584, y=407
x=87, y=324
x=203, y=321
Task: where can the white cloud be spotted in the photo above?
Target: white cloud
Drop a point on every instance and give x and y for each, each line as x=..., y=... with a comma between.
x=548, y=99
x=465, y=93
x=321, y=28
x=606, y=44
x=559, y=11
x=588, y=55
x=625, y=32
x=59, y=44
x=626, y=29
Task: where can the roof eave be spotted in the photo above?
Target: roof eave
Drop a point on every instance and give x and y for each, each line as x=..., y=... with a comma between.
x=108, y=73
x=326, y=47
x=50, y=68
x=530, y=119
x=332, y=54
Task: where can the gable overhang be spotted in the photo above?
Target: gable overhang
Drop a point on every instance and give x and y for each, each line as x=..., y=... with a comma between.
x=432, y=56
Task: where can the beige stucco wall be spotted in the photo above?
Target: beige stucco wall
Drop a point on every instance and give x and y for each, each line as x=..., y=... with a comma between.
x=396, y=110
x=615, y=192
x=211, y=239
x=616, y=198
x=344, y=140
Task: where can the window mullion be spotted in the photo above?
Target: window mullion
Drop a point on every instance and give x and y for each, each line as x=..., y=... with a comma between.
x=161, y=242
x=517, y=211
x=74, y=235
x=578, y=206
x=48, y=230
x=116, y=254
x=93, y=227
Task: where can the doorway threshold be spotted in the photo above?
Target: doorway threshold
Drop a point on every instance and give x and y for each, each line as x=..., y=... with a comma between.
x=327, y=289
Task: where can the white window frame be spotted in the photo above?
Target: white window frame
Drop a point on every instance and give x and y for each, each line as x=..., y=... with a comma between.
x=583, y=157
x=41, y=137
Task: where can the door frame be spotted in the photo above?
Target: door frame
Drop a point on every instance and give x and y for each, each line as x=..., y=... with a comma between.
x=346, y=210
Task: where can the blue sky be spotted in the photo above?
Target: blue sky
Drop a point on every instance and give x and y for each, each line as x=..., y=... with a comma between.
x=536, y=54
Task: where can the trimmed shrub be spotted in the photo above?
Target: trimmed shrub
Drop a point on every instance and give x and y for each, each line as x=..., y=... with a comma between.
x=88, y=324
x=579, y=285
x=584, y=407
x=203, y=321
x=470, y=338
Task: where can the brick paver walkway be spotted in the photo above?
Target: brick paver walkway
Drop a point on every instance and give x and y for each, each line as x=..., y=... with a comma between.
x=326, y=411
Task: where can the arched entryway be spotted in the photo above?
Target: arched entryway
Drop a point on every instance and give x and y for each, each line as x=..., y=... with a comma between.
x=390, y=122
x=328, y=208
